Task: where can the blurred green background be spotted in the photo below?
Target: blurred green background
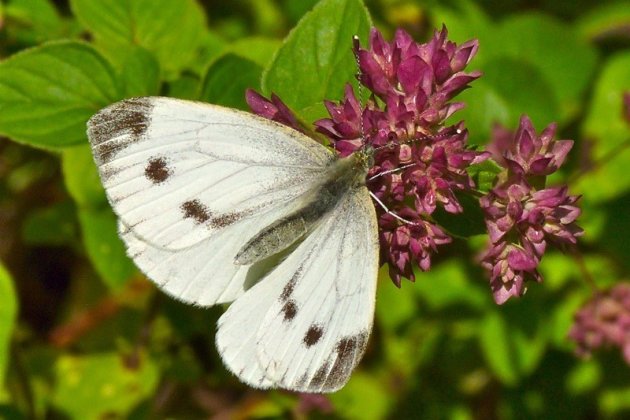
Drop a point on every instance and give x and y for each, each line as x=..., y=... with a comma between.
x=84, y=335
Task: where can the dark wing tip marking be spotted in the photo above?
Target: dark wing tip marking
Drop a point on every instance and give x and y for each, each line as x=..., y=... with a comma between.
x=313, y=335
x=157, y=171
x=348, y=353
x=116, y=127
x=193, y=209
x=289, y=310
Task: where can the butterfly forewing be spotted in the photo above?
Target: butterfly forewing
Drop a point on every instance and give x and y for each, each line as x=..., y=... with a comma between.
x=192, y=183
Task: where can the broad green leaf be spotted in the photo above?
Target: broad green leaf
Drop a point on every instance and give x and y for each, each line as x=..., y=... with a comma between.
x=484, y=174
x=449, y=284
x=394, y=306
x=8, y=315
x=52, y=225
x=31, y=21
x=316, y=60
x=617, y=227
x=228, y=78
x=485, y=106
x=81, y=177
x=610, y=134
x=187, y=86
x=469, y=223
x=524, y=89
x=48, y=93
x=466, y=20
x=363, y=397
x=172, y=30
x=513, y=340
x=212, y=46
x=102, y=385
x=605, y=20
x=614, y=401
x=585, y=377
x=104, y=248
x=257, y=49
x=552, y=48
x=296, y=9
x=139, y=70
x=604, y=122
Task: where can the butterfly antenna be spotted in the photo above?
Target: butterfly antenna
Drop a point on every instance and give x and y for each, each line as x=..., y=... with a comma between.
x=388, y=211
x=356, y=43
x=409, y=165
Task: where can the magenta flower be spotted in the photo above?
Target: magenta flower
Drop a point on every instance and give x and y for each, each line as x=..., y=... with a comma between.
x=273, y=109
x=520, y=219
x=527, y=153
x=604, y=322
x=419, y=164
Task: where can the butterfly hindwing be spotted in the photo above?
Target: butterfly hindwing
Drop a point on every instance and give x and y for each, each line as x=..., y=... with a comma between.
x=305, y=325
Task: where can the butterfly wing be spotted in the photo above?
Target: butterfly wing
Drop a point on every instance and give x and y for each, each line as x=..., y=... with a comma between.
x=192, y=182
x=306, y=325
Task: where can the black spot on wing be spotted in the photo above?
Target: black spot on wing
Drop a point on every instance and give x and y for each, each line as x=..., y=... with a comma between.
x=289, y=310
x=226, y=220
x=118, y=126
x=313, y=335
x=157, y=170
x=195, y=210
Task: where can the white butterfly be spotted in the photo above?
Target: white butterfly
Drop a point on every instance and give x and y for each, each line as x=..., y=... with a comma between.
x=207, y=195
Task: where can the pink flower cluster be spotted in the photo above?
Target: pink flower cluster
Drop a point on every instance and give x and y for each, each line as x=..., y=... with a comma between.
x=521, y=214
x=420, y=163
x=604, y=322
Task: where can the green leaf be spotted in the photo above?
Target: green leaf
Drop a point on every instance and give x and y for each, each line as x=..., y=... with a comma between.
x=469, y=223
x=513, y=340
x=104, y=248
x=140, y=72
x=485, y=106
x=484, y=174
x=8, y=315
x=609, y=134
x=449, y=284
x=604, y=122
x=172, y=30
x=51, y=225
x=364, y=397
x=228, y=78
x=551, y=47
x=524, y=89
x=394, y=306
x=257, y=49
x=187, y=86
x=48, y=93
x=31, y=22
x=81, y=177
x=604, y=20
x=316, y=60
x=101, y=385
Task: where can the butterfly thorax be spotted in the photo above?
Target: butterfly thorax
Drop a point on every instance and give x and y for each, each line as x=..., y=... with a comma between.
x=341, y=176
